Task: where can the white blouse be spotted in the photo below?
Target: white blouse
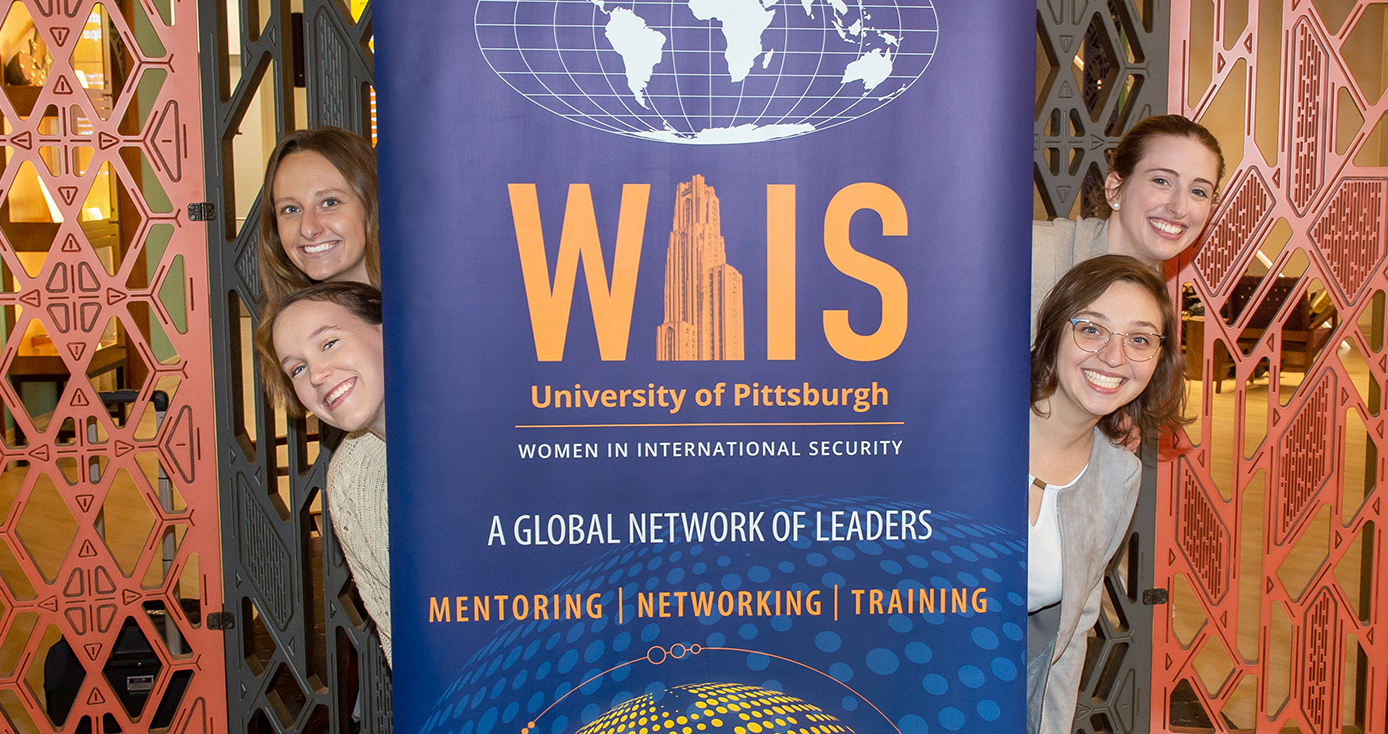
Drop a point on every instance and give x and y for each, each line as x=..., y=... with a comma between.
x=1043, y=549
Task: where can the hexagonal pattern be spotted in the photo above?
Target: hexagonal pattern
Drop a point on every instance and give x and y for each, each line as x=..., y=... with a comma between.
x=1308, y=209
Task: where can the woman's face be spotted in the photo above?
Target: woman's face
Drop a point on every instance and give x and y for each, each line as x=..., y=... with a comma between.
x=1166, y=202
x=1093, y=384
x=334, y=360
x=320, y=219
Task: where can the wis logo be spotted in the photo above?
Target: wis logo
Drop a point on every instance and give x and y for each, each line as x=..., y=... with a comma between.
x=703, y=292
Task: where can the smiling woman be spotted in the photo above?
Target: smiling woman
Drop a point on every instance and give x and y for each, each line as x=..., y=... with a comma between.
x=1160, y=190
x=321, y=352
x=1105, y=369
x=318, y=213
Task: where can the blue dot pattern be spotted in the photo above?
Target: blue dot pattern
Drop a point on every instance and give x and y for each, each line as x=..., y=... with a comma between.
x=943, y=671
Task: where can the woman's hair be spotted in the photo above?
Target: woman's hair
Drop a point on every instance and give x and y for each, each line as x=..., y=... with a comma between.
x=1123, y=160
x=360, y=300
x=1161, y=406
x=353, y=157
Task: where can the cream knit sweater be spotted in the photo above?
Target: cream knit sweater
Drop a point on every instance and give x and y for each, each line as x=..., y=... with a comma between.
x=357, y=505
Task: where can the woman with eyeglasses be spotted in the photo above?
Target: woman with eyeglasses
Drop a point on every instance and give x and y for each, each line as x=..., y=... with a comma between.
x=1105, y=365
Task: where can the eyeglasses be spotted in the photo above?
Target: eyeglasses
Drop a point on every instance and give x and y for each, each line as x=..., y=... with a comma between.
x=1092, y=337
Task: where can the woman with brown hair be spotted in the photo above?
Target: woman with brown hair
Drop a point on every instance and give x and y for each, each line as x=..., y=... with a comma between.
x=1160, y=191
x=321, y=352
x=318, y=214
x=1105, y=365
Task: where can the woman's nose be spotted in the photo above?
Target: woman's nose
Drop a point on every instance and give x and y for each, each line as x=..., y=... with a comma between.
x=1112, y=352
x=309, y=223
x=318, y=373
x=1178, y=203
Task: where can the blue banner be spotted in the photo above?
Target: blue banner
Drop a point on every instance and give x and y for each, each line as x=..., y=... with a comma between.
x=706, y=339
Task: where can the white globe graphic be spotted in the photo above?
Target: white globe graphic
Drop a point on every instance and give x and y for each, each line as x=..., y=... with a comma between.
x=708, y=71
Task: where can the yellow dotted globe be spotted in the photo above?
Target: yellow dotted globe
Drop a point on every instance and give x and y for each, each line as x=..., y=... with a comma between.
x=705, y=707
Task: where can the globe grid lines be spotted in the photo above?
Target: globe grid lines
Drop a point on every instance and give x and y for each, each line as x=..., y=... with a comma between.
x=575, y=76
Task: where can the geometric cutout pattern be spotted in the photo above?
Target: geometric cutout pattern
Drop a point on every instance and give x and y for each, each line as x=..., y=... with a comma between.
x=82, y=354
x=1101, y=68
x=1312, y=184
x=280, y=556
x=1204, y=538
x=1233, y=227
x=1350, y=233
x=1303, y=456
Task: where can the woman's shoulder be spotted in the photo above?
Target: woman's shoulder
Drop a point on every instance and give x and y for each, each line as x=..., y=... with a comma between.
x=357, y=450
x=1088, y=229
x=1114, y=462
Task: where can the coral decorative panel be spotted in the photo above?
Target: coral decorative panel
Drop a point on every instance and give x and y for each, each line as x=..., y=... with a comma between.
x=110, y=548
x=1283, y=313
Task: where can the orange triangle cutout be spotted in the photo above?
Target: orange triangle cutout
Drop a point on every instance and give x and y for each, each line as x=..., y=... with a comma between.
x=40, y=453
x=77, y=350
x=96, y=697
x=1369, y=635
x=1224, y=618
x=1248, y=43
x=30, y=299
x=1276, y=417
x=1277, y=177
x=1376, y=506
x=123, y=448
x=1168, y=662
x=129, y=597
x=107, y=140
x=63, y=87
x=93, y=650
x=1344, y=396
x=1338, y=540
x=23, y=140
x=76, y=583
x=87, y=551
x=114, y=296
x=70, y=244
x=60, y=35
x=1170, y=558
x=1200, y=459
x=84, y=501
x=79, y=399
x=51, y=604
x=1269, y=589
x=1219, y=63
x=69, y=194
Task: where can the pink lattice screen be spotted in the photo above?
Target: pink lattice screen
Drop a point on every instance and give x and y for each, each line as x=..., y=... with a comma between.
x=1269, y=507
x=109, y=540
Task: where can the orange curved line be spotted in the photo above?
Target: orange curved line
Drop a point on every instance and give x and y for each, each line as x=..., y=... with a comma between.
x=817, y=670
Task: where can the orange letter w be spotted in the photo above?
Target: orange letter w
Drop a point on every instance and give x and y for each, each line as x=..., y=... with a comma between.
x=549, y=307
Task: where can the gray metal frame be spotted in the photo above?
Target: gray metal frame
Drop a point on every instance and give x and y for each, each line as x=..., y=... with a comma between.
x=1082, y=112
x=296, y=657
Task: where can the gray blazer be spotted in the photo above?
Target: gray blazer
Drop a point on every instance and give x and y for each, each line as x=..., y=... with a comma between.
x=1094, y=514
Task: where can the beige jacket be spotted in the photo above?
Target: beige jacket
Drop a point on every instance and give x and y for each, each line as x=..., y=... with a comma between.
x=1094, y=514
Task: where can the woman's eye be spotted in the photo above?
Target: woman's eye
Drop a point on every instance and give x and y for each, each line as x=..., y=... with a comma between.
x=329, y=344
x=1089, y=329
x=1160, y=181
x=331, y=201
x=288, y=210
x=1138, y=340
x=1200, y=193
x=295, y=370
